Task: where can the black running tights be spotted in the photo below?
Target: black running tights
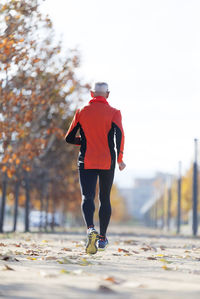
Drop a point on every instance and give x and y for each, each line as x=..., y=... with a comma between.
x=88, y=181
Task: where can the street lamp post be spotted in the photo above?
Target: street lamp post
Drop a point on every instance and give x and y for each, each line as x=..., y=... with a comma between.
x=179, y=200
x=195, y=191
x=163, y=211
x=156, y=214
x=169, y=199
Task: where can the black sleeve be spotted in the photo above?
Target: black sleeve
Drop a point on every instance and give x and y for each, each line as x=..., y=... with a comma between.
x=118, y=138
x=71, y=137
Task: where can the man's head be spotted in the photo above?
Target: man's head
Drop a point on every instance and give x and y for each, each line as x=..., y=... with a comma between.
x=100, y=89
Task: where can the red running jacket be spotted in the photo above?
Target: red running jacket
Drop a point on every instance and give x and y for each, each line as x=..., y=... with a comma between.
x=98, y=123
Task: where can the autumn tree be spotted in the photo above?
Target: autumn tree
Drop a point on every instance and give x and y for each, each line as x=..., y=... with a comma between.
x=38, y=84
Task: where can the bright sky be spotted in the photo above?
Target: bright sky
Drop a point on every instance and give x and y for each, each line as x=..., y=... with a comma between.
x=149, y=53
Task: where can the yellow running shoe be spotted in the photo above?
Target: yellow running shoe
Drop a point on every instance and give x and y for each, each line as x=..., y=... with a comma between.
x=92, y=238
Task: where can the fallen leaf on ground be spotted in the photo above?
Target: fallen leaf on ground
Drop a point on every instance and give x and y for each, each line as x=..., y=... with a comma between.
x=50, y=258
x=144, y=248
x=6, y=267
x=165, y=261
x=9, y=258
x=63, y=271
x=32, y=252
x=111, y=279
x=17, y=245
x=18, y=253
x=132, y=242
x=134, y=251
x=122, y=250
x=6, y=258
x=151, y=258
x=84, y=262
x=31, y=258
x=64, y=261
x=166, y=268
x=162, y=247
x=66, y=249
x=154, y=248
x=148, y=246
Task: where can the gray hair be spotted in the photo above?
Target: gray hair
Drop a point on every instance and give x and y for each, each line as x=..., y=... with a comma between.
x=100, y=88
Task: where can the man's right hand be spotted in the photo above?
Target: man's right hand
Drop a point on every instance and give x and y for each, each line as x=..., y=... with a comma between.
x=122, y=165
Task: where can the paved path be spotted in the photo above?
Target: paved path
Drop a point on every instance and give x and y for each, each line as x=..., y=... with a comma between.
x=141, y=265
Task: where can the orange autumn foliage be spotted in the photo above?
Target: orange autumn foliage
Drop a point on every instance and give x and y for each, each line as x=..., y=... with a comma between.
x=39, y=89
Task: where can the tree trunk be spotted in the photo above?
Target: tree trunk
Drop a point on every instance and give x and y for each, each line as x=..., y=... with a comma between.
x=163, y=212
x=3, y=203
x=27, y=203
x=169, y=208
x=53, y=213
x=17, y=184
x=63, y=214
x=41, y=210
x=46, y=212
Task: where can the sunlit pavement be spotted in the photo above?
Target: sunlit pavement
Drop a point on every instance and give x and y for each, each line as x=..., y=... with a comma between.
x=139, y=263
